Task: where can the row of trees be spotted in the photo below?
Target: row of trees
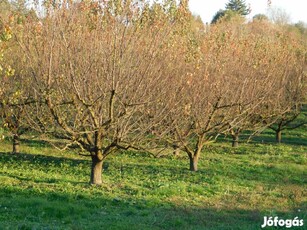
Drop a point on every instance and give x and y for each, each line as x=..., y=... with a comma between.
x=118, y=75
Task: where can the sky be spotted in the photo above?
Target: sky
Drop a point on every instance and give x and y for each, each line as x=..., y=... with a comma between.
x=296, y=9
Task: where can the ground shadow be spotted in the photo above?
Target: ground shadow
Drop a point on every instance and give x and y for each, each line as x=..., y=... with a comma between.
x=40, y=159
x=59, y=210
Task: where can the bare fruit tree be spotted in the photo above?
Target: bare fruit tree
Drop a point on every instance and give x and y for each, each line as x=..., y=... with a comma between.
x=99, y=67
x=272, y=54
x=14, y=88
x=235, y=74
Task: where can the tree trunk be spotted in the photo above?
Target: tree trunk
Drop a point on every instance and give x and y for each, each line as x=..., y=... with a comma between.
x=96, y=170
x=196, y=154
x=235, y=140
x=278, y=136
x=16, y=143
x=193, y=163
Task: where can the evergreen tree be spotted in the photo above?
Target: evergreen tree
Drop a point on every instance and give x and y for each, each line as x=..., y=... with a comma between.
x=239, y=6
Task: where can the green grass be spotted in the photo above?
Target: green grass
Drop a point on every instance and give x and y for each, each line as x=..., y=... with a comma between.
x=43, y=188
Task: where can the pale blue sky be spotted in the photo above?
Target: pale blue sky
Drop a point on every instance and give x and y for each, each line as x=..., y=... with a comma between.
x=296, y=9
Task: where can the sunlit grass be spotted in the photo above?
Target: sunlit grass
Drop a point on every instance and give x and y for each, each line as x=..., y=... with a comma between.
x=43, y=188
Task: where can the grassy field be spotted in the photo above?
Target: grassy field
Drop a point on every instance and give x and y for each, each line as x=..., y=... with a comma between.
x=42, y=188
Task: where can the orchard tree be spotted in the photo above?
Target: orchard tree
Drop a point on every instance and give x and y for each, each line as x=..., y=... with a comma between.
x=288, y=121
x=290, y=108
x=224, y=86
x=209, y=94
x=286, y=60
x=15, y=92
x=286, y=111
x=99, y=68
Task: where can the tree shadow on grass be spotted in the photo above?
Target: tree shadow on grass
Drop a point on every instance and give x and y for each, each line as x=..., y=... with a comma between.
x=34, y=142
x=29, y=209
x=45, y=143
x=286, y=139
x=42, y=180
x=40, y=161
x=291, y=137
